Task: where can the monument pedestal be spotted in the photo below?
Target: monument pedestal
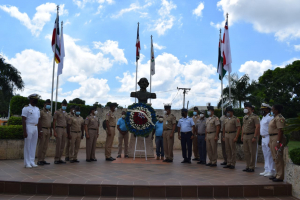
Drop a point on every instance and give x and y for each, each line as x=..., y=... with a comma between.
x=140, y=146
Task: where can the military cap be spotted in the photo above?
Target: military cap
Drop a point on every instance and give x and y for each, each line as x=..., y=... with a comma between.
x=72, y=106
x=202, y=111
x=210, y=108
x=48, y=101
x=167, y=105
x=110, y=104
x=195, y=108
x=77, y=107
x=184, y=110
x=34, y=96
x=229, y=108
x=264, y=105
x=248, y=104
x=64, y=101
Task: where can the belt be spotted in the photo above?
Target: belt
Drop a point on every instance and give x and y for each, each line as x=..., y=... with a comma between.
x=167, y=129
x=112, y=126
x=31, y=124
x=210, y=132
x=249, y=133
x=231, y=132
x=201, y=133
x=60, y=127
x=187, y=132
x=92, y=129
x=264, y=136
x=46, y=128
x=273, y=134
x=75, y=131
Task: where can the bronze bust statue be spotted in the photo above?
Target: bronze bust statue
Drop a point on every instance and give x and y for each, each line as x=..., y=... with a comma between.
x=143, y=95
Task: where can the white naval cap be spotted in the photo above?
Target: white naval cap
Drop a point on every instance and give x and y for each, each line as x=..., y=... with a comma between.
x=34, y=96
x=264, y=105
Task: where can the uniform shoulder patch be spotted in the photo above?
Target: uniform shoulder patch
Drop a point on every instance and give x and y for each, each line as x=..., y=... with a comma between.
x=281, y=120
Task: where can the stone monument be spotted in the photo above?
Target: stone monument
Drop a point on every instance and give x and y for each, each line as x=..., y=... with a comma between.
x=142, y=95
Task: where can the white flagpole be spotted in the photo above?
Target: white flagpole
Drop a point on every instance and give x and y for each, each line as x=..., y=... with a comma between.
x=136, y=71
x=150, y=66
x=54, y=63
x=229, y=72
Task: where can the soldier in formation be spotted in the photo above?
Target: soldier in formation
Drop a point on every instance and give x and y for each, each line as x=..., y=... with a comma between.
x=169, y=125
x=91, y=125
x=195, y=139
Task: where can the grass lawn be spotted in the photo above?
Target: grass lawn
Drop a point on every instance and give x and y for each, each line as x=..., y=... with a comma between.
x=293, y=145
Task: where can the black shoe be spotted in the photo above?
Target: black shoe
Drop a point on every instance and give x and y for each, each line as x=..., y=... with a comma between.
x=109, y=159
x=277, y=180
x=213, y=165
x=88, y=160
x=188, y=161
x=77, y=161
x=208, y=164
x=165, y=160
x=61, y=162
x=112, y=158
x=67, y=159
x=126, y=156
x=169, y=160
x=40, y=163
x=72, y=161
x=232, y=167
x=200, y=162
x=272, y=178
x=184, y=161
x=245, y=170
x=93, y=159
x=46, y=163
x=223, y=163
x=203, y=163
x=195, y=159
x=56, y=162
x=227, y=166
x=250, y=170
x=119, y=156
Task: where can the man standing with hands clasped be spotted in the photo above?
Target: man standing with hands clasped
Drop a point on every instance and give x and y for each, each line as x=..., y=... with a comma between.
x=186, y=130
x=123, y=135
x=195, y=139
x=211, y=136
x=110, y=130
x=169, y=125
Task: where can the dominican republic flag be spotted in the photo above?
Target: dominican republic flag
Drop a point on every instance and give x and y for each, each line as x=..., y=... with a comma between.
x=152, y=59
x=62, y=53
x=226, y=52
x=55, y=37
x=138, y=45
x=221, y=69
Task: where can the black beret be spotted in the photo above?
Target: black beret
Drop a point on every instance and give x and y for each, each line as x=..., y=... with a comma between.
x=64, y=101
x=72, y=106
x=48, y=101
x=229, y=108
x=184, y=110
x=77, y=108
x=195, y=108
x=248, y=104
x=112, y=104
x=210, y=108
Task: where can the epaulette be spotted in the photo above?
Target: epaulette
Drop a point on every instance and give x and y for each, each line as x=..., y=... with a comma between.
x=280, y=115
x=26, y=106
x=233, y=116
x=254, y=114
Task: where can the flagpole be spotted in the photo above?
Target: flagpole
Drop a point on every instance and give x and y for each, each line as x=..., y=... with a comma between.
x=54, y=64
x=136, y=70
x=221, y=76
x=150, y=66
x=229, y=70
x=57, y=78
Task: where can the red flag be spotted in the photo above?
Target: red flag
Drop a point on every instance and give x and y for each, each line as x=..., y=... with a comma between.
x=138, y=45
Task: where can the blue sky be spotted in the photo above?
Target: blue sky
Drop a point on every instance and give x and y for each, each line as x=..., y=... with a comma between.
x=100, y=38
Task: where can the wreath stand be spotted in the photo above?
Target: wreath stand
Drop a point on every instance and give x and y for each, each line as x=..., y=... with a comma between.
x=140, y=149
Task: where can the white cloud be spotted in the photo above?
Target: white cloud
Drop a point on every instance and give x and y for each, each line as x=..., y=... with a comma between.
x=81, y=3
x=145, y=46
x=280, y=17
x=132, y=7
x=77, y=14
x=88, y=22
x=67, y=22
x=297, y=47
x=157, y=46
x=42, y=15
x=99, y=9
x=166, y=20
x=198, y=10
x=170, y=74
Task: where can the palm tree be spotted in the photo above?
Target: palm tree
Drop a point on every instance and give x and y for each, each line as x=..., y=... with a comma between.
x=241, y=90
x=10, y=79
x=292, y=124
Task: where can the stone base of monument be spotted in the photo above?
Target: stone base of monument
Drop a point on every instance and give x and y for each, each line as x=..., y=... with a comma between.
x=140, y=146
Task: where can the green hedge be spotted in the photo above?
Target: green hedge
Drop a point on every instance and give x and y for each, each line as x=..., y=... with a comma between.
x=18, y=102
x=14, y=121
x=11, y=132
x=295, y=156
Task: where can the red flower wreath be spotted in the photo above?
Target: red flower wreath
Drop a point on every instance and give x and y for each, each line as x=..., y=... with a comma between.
x=139, y=118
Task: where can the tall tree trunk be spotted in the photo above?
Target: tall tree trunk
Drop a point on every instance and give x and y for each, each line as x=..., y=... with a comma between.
x=240, y=102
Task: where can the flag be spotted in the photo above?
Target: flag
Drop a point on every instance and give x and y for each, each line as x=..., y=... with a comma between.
x=138, y=45
x=152, y=59
x=221, y=69
x=62, y=54
x=226, y=52
x=55, y=37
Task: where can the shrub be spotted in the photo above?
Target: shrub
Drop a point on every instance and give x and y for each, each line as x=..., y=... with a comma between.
x=14, y=121
x=295, y=156
x=288, y=137
x=11, y=132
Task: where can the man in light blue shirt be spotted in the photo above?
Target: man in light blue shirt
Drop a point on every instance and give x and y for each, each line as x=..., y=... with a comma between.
x=186, y=130
x=158, y=131
x=123, y=135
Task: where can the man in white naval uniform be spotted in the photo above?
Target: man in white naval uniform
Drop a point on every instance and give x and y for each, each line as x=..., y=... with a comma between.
x=264, y=132
x=30, y=119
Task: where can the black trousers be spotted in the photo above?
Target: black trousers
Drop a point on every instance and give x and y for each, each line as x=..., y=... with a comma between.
x=186, y=142
x=202, y=147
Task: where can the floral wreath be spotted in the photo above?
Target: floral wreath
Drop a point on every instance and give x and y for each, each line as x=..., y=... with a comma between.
x=137, y=119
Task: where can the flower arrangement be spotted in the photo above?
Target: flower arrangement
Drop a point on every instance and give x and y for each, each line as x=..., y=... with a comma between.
x=137, y=123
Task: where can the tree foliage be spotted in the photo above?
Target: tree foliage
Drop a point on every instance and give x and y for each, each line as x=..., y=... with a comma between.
x=77, y=101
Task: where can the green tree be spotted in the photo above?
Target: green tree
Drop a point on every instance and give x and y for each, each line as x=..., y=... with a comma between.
x=282, y=86
x=77, y=101
x=97, y=105
x=241, y=90
x=10, y=80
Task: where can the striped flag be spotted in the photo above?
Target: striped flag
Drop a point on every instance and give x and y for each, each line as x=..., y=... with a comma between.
x=226, y=52
x=152, y=58
x=138, y=45
x=62, y=53
x=221, y=69
x=55, y=38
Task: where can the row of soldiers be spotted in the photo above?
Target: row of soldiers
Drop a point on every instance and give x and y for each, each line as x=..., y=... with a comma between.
x=68, y=129
x=203, y=134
